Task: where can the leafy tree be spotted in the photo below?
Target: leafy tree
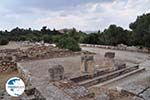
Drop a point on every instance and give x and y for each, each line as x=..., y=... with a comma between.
x=79, y=36
x=3, y=41
x=93, y=38
x=56, y=38
x=47, y=39
x=68, y=43
x=115, y=35
x=141, y=30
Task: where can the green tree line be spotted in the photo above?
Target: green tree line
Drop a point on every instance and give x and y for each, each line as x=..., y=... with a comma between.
x=138, y=35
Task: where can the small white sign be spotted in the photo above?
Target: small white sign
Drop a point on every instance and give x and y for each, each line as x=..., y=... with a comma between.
x=15, y=86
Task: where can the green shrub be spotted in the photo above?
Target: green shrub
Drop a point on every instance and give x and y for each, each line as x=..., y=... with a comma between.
x=4, y=41
x=47, y=39
x=91, y=95
x=68, y=43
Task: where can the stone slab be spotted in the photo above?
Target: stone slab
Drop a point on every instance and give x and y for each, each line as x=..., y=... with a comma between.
x=133, y=88
x=146, y=94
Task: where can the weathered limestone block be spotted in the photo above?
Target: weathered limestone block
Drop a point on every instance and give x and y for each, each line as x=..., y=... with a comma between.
x=108, y=63
x=25, y=74
x=87, y=64
x=132, y=88
x=110, y=55
x=56, y=73
x=146, y=94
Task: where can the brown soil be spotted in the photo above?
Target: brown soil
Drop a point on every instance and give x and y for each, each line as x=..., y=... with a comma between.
x=4, y=77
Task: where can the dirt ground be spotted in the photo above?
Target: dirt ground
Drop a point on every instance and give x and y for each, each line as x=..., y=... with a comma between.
x=14, y=45
x=4, y=77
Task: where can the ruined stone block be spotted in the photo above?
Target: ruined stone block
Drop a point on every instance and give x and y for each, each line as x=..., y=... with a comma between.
x=87, y=63
x=110, y=55
x=132, y=88
x=56, y=73
x=108, y=62
x=146, y=94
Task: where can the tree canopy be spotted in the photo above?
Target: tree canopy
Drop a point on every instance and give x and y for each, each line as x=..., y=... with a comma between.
x=113, y=35
x=141, y=30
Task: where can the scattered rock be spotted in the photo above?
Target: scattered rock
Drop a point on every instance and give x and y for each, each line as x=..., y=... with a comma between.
x=146, y=94
x=132, y=88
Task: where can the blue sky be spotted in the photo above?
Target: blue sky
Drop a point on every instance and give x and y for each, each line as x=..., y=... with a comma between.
x=82, y=14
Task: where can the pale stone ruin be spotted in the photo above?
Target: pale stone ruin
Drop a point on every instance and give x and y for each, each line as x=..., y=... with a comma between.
x=76, y=88
x=87, y=64
x=56, y=73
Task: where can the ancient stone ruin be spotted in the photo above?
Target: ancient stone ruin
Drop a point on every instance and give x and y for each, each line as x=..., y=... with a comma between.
x=69, y=77
x=56, y=73
x=87, y=64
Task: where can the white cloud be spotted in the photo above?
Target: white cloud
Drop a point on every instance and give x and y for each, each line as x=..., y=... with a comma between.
x=88, y=16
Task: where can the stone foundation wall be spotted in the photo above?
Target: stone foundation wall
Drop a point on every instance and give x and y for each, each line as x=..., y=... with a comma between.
x=24, y=73
x=96, y=74
x=109, y=76
x=125, y=48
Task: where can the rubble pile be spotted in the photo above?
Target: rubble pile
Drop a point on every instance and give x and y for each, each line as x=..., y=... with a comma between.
x=9, y=57
x=7, y=66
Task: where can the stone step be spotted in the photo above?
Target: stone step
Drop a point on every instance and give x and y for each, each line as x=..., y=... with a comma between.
x=120, y=77
x=91, y=76
x=107, y=77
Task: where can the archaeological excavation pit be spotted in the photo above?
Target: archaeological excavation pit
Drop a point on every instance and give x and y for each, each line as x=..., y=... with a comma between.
x=73, y=75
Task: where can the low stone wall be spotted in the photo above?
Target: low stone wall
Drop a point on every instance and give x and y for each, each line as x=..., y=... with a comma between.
x=106, y=77
x=90, y=76
x=24, y=73
x=126, y=48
